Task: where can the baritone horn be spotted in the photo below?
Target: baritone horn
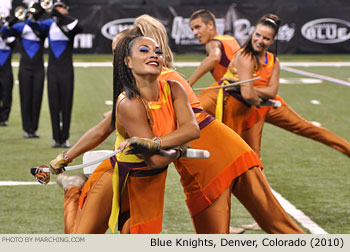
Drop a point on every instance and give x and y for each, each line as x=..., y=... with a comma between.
x=31, y=7
x=46, y=4
x=2, y=18
x=21, y=13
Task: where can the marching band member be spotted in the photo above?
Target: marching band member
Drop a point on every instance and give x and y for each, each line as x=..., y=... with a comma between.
x=30, y=73
x=6, y=75
x=60, y=30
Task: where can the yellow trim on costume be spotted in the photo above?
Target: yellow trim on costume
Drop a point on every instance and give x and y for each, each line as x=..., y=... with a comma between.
x=223, y=37
x=166, y=71
x=229, y=74
x=121, y=157
x=219, y=109
x=113, y=218
x=164, y=98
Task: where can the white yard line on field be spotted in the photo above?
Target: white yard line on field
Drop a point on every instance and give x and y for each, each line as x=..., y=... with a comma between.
x=314, y=75
x=292, y=81
x=298, y=215
x=284, y=66
x=20, y=183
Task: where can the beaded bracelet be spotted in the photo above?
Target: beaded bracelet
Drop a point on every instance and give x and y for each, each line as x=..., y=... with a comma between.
x=158, y=142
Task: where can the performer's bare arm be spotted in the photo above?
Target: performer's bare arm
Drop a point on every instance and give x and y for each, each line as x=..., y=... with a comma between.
x=213, y=49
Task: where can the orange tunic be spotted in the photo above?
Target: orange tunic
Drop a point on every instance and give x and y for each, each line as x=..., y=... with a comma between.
x=204, y=180
x=137, y=188
x=265, y=72
x=231, y=108
x=217, y=102
x=229, y=46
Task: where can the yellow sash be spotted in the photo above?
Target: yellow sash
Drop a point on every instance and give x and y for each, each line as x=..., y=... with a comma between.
x=219, y=110
x=113, y=219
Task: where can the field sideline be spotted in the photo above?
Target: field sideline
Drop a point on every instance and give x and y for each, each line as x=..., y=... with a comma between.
x=311, y=176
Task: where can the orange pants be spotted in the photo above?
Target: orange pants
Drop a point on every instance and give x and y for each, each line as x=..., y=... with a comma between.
x=253, y=191
x=208, y=99
x=235, y=112
x=286, y=118
x=93, y=217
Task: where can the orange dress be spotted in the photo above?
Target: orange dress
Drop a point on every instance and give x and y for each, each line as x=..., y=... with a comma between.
x=286, y=118
x=265, y=72
x=229, y=46
x=204, y=180
x=230, y=108
x=139, y=189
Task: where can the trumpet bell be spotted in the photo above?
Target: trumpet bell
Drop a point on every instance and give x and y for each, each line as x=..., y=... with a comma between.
x=31, y=7
x=21, y=13
x=46, y=4
x=2, y=17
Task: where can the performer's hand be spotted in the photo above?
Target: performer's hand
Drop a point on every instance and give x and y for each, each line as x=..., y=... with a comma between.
x=58, y=163
x=140, y=145
x=229, y=79
x=182, y=149
x=39, y=11
x=233, y=89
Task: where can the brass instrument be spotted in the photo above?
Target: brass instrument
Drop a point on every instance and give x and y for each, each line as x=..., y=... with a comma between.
x=31, y=7
x=21, y=13
x=47, y=4
x=2, y=18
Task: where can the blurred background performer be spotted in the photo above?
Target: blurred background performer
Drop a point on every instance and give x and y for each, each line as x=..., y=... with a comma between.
x=61, y=30
x=31, y=69
x=6, y=75
x=284, y=116
x=220, y=50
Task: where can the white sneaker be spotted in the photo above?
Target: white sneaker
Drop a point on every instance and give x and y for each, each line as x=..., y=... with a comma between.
x=55, y=144
x=234, y=230
x=66, y=181
x=27, y=135
x=254, y=226
x=35, y=135
x=65, y=144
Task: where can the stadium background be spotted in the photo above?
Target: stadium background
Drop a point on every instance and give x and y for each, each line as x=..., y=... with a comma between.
x=313, y=26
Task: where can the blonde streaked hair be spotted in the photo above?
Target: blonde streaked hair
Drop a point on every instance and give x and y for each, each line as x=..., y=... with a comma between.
x=151, y=27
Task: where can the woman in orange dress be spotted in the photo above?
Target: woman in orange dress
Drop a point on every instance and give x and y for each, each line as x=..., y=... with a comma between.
x=158, y=108
x=266, y=88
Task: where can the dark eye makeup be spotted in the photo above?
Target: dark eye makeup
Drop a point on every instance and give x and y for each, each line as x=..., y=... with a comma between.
x=158, y=51
x=144, y=49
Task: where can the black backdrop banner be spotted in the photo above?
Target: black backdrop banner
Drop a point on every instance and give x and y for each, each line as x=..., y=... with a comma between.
x=307, y=28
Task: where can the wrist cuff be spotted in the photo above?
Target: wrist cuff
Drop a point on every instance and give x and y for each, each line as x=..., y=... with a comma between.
x=158, y=142
x=66, y=158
